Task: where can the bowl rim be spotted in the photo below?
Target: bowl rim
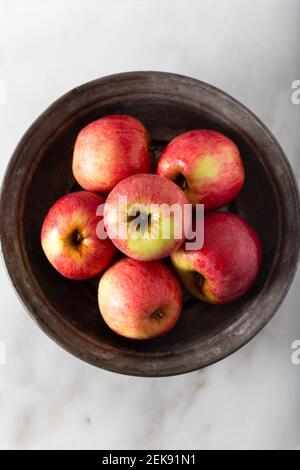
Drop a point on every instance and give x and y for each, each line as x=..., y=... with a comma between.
x=72, y=339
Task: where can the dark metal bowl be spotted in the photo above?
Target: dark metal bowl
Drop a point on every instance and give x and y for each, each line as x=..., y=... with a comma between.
x=40, y=172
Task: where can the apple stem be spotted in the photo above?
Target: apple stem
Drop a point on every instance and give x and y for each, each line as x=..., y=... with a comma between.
x=198, y=279
x=145, y=221
x=157, y=315
x=181, y=181
x=76, y=237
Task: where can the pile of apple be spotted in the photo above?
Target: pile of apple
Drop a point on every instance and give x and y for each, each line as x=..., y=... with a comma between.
x=139, y=295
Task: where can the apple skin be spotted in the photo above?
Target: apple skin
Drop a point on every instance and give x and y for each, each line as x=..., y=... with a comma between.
x=206, y=165
x=110, y=149
x=139, y=300
x=69, y=237
x=227, y=264
x=141, y=191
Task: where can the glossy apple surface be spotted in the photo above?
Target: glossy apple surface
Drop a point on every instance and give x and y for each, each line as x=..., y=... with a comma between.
x=206, y=165
x=226, y=266
x=140, y=300
x=69, y=237
x=138, y=218
x=108, y=150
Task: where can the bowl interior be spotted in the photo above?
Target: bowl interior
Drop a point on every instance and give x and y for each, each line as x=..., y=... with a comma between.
x=68, y=310
x=77, y=301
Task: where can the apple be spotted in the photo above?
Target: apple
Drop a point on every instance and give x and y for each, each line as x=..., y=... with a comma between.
x=139, y=300
x=110, y=149
x=227, y=264
x=206, y=165
x=139, y=220
x=69, y=237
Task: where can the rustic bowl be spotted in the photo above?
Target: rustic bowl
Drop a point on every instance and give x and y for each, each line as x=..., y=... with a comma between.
x=40, y=172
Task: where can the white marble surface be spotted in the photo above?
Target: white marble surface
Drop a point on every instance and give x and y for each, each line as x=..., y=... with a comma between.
x=48, y=399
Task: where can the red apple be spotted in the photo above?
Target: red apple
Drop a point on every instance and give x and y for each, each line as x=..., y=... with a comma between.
x=139, y=300
x=138, y=218
x=69, y=237
x=110, y=149
x=226, y=266
x=206, y=165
